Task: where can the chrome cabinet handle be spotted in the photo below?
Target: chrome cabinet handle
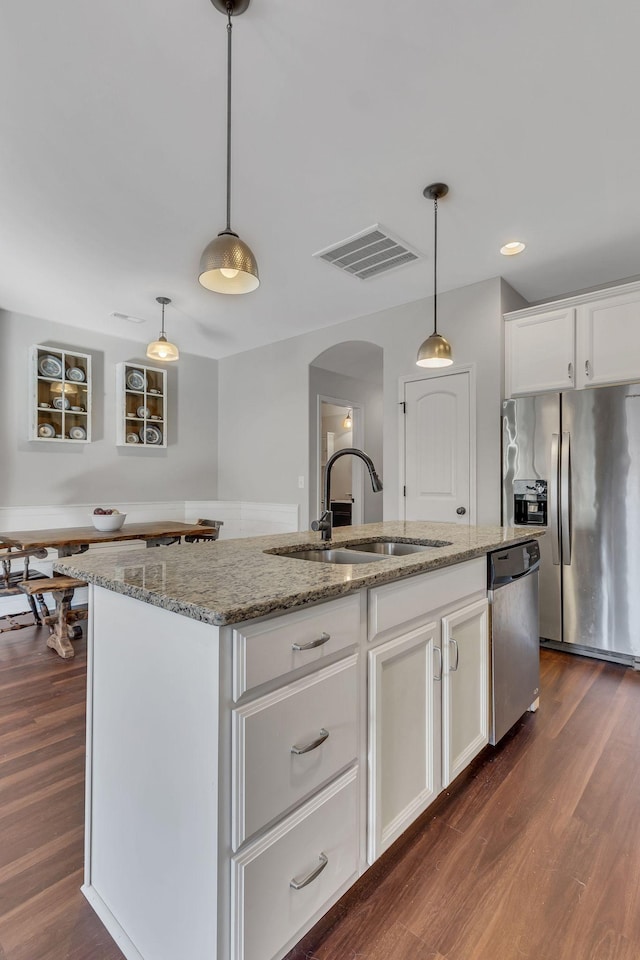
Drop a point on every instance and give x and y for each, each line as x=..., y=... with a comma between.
x=455, y=643
x=310, y=877
x=312, y=643
x=311, y=746
x=438, y=676
x=570, y=371
x=587, y=368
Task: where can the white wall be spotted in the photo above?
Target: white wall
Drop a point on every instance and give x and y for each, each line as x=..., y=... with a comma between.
x=38, y=473
x=264, y=406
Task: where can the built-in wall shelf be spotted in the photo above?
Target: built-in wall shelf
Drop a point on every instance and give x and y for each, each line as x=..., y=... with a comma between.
x=60, y=395
x=142, y=406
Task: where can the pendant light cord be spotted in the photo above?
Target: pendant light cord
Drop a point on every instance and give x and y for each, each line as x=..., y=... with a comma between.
x=162, y=334
x=435, y=265
x=229, y=29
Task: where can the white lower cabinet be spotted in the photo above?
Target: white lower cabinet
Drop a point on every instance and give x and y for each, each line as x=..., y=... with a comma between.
x=428, y=693
x=290, y=742
x=465, y=687
x=287, y=879
x=404, y=733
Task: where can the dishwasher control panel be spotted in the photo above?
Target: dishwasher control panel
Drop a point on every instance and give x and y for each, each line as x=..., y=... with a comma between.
x=510, y=564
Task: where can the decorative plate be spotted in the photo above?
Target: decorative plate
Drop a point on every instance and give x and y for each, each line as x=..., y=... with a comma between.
x=46, y=430
x=50, y=366
x=136, y=380
x=153, y=390
x=78, y=433
x=76, y=374
x=133, y=438
x=142, y=412
x=61, y=403
x=151, y=435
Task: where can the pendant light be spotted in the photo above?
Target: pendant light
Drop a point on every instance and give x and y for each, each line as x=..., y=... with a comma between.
x=435, y=351
x=161, y=349
x=227, y=264
x=347, y=423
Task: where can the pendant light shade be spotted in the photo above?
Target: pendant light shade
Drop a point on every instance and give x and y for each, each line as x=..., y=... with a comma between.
x=435, y=351
x=227, y=264
x=347, y=423
x=162, y=349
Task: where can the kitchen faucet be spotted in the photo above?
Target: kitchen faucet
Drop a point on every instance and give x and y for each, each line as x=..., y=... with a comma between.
x=325, y=523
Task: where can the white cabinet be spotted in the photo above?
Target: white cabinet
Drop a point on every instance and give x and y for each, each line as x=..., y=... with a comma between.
x=608, y=341
x=281, y=884
x=587, y=341
x=141, y=418
x=465, y=687
x=540, y=352
x=60, y=395
x=428, y=692
x=296, y=841
x=404, y=733
x=289, y=742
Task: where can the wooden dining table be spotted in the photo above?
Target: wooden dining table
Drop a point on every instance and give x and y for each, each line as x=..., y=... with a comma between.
x=71, y=540
x=23, y=544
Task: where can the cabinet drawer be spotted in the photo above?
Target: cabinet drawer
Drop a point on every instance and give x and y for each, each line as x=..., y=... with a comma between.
x=397, y=604
x=267, y=914
x=267, y=650
x=290, y=742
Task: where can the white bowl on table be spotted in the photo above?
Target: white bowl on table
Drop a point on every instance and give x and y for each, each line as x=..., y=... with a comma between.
x=108, y=522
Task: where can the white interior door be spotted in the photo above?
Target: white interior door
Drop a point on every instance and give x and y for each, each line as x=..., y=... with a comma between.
x=438, y=448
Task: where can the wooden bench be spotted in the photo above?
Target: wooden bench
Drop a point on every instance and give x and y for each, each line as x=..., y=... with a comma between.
x=61, y=623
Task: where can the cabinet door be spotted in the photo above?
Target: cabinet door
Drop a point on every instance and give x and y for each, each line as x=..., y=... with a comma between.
x=609, y=341
x=465, y=687
x=404, y=733
x=540, y=352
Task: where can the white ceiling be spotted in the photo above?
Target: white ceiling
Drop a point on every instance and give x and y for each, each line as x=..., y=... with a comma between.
x=112, y=154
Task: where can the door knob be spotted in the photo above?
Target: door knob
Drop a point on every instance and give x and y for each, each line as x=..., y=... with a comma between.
x=461, y=511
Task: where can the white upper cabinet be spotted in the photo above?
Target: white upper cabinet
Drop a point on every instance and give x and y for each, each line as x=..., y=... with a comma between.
x=540, y=352
x=585, y=341
x=608, y=340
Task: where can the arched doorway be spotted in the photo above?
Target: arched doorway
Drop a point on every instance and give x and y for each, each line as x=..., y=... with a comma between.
x=348, y=377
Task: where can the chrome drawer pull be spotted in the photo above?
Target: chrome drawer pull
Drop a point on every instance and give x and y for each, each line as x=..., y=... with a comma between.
x=314, y=743
x=299, y=884
x=455, y=643
x=313, y=643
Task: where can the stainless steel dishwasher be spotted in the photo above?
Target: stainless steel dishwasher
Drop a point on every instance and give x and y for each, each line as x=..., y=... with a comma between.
x=515, y=641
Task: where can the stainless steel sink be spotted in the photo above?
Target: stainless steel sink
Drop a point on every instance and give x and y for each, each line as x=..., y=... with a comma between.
x=332, y=556
x=393, y=548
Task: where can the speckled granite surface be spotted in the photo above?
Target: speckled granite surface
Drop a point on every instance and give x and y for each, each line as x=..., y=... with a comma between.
x=233, y=580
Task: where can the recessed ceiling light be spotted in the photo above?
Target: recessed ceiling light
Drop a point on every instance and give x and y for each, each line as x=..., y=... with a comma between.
x=510, y=249
x=125, y=316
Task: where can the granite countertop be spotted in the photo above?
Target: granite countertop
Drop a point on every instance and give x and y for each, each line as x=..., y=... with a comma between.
x=227, y=581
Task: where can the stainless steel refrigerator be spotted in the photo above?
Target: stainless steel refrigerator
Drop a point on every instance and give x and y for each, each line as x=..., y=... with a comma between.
x=571, y=463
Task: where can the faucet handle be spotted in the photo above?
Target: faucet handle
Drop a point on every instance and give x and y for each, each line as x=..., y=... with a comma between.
x=324, y=524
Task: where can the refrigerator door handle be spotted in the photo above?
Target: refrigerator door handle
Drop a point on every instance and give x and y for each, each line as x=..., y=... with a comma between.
x=565, y=498
x=554, y=524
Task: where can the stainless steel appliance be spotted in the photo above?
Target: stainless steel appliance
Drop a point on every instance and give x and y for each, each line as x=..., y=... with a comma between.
x=585, y=445
x=515, y=648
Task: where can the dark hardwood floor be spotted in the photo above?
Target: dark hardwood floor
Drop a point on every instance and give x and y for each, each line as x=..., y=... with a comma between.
x=536, y=855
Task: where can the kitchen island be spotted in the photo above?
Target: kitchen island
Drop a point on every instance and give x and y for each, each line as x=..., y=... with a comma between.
x=261, y=728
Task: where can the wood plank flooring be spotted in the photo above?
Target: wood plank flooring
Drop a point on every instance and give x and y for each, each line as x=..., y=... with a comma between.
x=536, y=855
x=43, y=915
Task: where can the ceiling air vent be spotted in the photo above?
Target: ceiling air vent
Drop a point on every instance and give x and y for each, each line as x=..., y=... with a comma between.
x=370, y=253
